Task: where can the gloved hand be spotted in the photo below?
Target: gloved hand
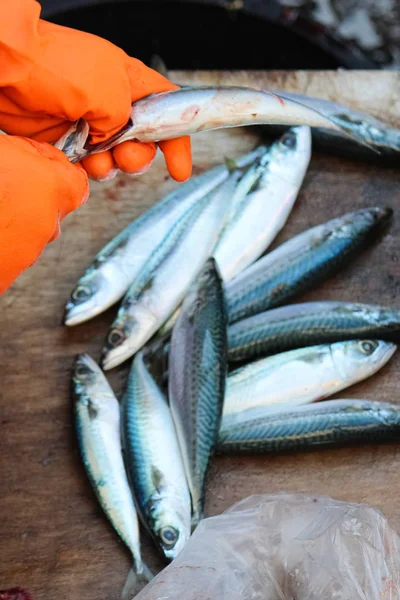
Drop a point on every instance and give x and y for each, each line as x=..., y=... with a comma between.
x=51, y=76
x=38, y=188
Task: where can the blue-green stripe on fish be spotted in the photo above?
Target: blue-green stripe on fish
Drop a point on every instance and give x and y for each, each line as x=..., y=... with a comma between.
x=309, y=323
x=332, y=422
x=154, y=463
x=302, y=262
x=198, y=363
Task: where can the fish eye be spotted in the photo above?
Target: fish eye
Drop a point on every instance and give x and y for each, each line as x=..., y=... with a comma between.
x=115, y=337
x=289, y=140
x=83, y=371
x=168, y=536
x=81, y=293
x=368, y=346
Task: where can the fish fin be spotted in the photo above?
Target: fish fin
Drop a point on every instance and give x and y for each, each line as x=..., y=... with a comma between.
x=135, y=582
x=230, y=164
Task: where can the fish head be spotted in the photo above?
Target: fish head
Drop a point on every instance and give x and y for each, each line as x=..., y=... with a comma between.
x=170, y=524
x=91, y=296
x=128, y=333
x=292, y=153
x=84, y=371
x=90, y=387
x=373, y=220
x=357, y=359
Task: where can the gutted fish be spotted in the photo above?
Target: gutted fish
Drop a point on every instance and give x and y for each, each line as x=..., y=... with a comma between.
x=192, y=109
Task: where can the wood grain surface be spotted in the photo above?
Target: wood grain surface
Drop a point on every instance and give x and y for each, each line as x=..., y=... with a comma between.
x=54, y=539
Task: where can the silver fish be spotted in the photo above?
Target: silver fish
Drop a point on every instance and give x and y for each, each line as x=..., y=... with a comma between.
x=302, y=376
x=154, y=462
x=156, y=294
x=192, y=109
x=329, y=422
x=303, y=261
x=198, y=362
x=309, y=323
x=383, y=141
x=263, y=201
x=117, y=265
x=97, y=420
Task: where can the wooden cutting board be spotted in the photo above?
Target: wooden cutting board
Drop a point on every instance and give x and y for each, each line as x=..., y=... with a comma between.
x=54, y=539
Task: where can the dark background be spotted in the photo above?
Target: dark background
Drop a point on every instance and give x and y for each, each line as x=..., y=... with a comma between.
x=226, y=34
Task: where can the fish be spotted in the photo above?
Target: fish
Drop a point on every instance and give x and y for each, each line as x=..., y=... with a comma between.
x=301, y=427
x=382, y=140
x=198, y=365
x=97, y=422
x=309, y=323
x=262, y=201
x=190, y=110
x=302, y=376
x=116, y=266
x=155, y=295
x=303, y=261
x=154, y=463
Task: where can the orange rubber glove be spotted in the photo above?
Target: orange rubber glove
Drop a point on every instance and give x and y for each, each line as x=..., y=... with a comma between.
x=38, y=188
x=50, y=76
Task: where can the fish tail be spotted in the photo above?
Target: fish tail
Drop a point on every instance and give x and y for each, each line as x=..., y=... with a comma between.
x=136, y=581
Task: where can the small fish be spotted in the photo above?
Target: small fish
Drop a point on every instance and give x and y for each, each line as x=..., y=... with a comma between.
x=157, y=293
x=192, y=109
x=309, y=323
x=198, y=363
x=300, y=263
x=118, y=264
x=302, y=376
x=378, y=135
x=262, y=201
x=329, y=422
x=154, y=463
x=97, y=421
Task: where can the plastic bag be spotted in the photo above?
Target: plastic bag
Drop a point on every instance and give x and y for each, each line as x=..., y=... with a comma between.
x=286, y=547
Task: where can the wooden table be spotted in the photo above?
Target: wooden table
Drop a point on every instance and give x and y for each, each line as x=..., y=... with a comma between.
x=53, y=538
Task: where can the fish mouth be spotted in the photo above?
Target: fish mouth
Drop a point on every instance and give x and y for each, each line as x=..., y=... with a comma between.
x=85, y=359
x=383, y=215
x=385, y=353
x=113, y=357
x=74, y=314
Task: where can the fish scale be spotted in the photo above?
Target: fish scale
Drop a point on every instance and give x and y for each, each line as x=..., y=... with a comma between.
x=329, y=422
x=198, y=362
x=305, y=260
x=299, y=325
x=97, y=421
x=153, y=461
